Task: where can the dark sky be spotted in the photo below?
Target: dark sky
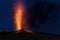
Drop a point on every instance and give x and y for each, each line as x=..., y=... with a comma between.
x=6, y=17
x=6, y=14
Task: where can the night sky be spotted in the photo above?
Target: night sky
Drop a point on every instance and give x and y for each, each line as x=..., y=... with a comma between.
x=6, y=16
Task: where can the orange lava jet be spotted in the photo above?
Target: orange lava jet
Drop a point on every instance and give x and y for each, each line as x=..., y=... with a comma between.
x=20, y=17
x=18, y=10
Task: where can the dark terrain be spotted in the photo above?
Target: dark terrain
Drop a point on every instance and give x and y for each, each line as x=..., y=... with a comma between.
x=23, y=35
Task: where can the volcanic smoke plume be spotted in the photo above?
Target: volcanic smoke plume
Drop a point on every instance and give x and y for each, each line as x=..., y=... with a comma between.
x=20, y=17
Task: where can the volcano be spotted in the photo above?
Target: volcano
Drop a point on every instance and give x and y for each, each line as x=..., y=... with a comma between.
x=23, y=35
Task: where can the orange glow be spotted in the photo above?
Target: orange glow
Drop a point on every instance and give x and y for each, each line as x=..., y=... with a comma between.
x=29, y=31
x=21, y=18
x=18, y=9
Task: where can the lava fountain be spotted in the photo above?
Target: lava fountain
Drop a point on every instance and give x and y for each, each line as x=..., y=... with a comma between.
x=20, y=17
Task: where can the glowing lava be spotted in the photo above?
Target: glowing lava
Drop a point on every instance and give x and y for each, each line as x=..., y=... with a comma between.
x=18, y=10
x=20, y=17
